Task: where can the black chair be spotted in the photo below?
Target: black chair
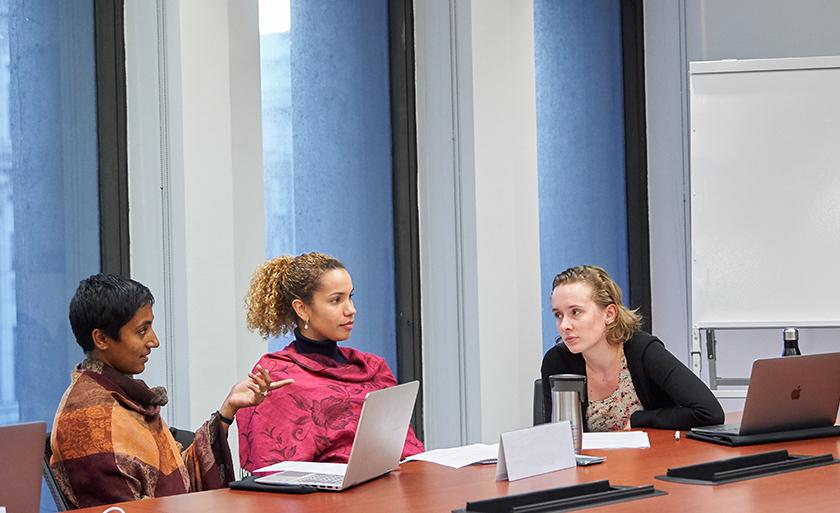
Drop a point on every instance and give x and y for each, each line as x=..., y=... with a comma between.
x=58, y=497
x=182, y=436
x=539, y=405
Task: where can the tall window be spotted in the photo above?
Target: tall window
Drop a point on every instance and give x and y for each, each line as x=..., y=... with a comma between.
x=49, y=198
x=327, y=148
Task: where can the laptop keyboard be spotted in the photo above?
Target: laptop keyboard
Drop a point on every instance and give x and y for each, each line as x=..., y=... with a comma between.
x=321, y=479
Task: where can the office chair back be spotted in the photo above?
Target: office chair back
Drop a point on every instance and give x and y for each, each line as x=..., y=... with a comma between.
x=539, y=405
x=182, y=436
x=55, y=491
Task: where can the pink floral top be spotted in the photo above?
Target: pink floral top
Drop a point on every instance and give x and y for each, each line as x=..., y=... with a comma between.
x=613, y=412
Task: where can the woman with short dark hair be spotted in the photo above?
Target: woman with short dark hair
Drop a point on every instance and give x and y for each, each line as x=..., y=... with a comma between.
x=109, y=442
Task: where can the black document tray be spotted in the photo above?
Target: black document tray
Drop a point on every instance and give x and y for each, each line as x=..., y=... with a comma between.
x=766, y=438
x=745, y=467
x=249, y=483
x=566, y=498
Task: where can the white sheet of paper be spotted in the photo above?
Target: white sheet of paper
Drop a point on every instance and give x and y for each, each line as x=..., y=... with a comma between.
x=537, y=450
x=616, y=440
x=457, y=457
x=306, y=466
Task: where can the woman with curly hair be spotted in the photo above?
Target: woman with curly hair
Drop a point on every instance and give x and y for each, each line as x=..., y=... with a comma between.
x=310, y=295
x=631, y=379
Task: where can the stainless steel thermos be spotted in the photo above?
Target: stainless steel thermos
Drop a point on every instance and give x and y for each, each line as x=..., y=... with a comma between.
x=568, y=393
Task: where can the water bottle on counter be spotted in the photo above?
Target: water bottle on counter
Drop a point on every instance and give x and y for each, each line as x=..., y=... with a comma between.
x=791, y=339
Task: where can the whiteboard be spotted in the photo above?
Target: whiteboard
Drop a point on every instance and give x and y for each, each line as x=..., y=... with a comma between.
x=765, y=192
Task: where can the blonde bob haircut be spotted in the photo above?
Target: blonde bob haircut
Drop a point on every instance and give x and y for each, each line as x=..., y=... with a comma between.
x=277, y=283
x=605, y=292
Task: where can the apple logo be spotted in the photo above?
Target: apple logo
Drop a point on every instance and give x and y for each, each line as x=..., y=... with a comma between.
x=795, y=393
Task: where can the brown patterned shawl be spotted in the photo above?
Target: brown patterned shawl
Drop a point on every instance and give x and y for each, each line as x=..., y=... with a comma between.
x=110, y=444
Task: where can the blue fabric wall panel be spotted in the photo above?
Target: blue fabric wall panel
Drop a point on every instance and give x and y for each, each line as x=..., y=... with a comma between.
x=580, y=141
x=51, y=151
x=341, y=136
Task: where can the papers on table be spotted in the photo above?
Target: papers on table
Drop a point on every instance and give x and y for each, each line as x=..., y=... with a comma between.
x=306, y=466
x=616, y=440
x=457, y=457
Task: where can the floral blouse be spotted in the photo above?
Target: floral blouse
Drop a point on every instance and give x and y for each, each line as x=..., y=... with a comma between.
x=613, y=412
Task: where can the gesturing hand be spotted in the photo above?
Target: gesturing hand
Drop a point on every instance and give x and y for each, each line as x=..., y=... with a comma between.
x=251, y=391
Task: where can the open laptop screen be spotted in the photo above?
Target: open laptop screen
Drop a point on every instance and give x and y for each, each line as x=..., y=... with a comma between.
x=22, y=456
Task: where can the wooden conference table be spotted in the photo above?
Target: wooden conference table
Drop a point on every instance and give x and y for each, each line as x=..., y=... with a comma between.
x=426, y=487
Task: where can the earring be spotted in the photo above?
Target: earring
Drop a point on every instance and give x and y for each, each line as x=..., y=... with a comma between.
x=306, y=325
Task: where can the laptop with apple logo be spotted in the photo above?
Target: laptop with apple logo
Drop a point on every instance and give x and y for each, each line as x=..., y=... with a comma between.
x=789, y=394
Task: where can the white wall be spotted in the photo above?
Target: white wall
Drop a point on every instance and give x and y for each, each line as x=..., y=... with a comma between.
x=195, y=173
x=447, y=217
x=507, y=212
x=667, y=110
x=479, y=224
x=675, y=34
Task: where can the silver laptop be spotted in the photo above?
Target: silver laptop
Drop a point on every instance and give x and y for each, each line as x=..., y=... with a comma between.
x=788, y=393
x=380, y=437
x=22, y=457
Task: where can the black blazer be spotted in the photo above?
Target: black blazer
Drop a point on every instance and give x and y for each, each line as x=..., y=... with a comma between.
x=672, y=396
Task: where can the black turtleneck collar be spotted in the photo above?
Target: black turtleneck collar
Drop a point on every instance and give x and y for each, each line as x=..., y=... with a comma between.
x=326, y=348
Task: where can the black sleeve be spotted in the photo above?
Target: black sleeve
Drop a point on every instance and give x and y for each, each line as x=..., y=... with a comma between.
x=695, y=403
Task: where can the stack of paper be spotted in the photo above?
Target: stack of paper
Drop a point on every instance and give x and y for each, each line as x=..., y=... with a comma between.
x=457, y=457
x=616, y=440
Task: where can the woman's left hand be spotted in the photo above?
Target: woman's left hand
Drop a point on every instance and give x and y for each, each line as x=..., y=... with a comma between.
x=251, y=391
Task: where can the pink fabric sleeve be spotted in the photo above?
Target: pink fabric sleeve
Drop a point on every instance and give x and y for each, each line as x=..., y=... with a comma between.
x=265, y=434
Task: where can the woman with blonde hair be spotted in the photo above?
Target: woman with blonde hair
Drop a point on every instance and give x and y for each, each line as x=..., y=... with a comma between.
x=631, y=379
x=310, y=295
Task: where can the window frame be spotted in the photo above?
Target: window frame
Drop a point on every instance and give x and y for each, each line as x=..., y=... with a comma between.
x=109, y=42
x=635, y=155
x=406, y=213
